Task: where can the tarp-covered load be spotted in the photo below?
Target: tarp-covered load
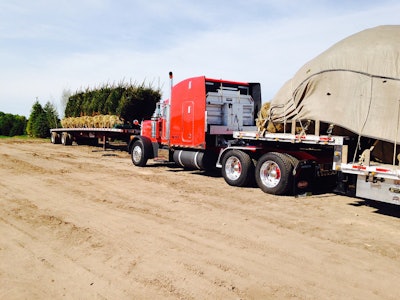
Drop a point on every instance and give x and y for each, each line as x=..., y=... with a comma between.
x=355, y=85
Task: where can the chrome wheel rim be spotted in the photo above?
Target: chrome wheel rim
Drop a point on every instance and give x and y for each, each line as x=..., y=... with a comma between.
x=136, y=153
x=233, y=168
x=270, y=174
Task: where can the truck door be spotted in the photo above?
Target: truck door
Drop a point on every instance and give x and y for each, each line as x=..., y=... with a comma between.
x=187, y=121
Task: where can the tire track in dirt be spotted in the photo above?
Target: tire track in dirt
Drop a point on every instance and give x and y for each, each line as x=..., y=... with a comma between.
x=66, y=238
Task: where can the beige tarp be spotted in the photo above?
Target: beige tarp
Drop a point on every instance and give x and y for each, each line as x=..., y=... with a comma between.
x=355, y=84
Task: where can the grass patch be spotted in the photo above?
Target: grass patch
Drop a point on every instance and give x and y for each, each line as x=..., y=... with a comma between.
x=22, y=138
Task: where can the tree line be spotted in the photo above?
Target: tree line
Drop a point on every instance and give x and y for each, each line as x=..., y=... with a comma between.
x=38, y=125
x=12, y=125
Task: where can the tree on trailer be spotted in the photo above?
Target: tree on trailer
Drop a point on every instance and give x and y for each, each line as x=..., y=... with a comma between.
x=108, y=112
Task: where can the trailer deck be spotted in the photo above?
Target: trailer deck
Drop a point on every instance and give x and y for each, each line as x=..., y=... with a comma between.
x=66, y=136
x=288, y=137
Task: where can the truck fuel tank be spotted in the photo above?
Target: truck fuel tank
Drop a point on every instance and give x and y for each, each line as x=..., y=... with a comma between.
x=199, y=160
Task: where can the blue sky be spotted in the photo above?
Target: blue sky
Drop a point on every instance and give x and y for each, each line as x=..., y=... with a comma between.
x=47, y=46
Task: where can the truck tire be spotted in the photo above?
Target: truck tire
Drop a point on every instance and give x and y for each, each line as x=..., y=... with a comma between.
x=139, y=153
x=66, y=139
x=274, y=173
x=237, y=168
x=55, y=138
x=293, y=160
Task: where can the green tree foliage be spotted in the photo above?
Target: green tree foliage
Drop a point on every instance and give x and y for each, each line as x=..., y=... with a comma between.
x=12, y=125
x=19, y=125
x=138, y=103
x=35, y=113
x=41, y=127
x=52, y=116
x=129, y=101
x=112, y=101
x=42, y=119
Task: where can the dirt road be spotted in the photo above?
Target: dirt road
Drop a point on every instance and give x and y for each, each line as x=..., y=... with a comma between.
x=80, y=223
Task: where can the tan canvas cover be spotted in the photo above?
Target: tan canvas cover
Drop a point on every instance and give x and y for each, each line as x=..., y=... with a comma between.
x=354, y=84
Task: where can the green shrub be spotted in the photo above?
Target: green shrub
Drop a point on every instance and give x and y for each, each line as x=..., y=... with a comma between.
x=12, y=125
x=41, y=120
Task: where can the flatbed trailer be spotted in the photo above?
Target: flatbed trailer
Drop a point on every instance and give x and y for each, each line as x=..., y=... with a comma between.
x=374, y=181
x=91, y=136
x=280, y=163
x=284, y=163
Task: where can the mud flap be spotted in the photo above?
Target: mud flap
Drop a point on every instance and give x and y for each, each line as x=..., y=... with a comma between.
x=312, y=178
x=304, y=178
x=346, y=184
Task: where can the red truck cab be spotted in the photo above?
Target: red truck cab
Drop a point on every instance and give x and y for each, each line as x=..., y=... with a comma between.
x=198, y=120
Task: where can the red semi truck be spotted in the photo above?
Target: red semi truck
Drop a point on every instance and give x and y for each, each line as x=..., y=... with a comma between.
x=202, y=126
x=209, y=123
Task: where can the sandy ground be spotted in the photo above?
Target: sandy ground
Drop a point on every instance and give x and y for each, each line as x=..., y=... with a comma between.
x=80, y=223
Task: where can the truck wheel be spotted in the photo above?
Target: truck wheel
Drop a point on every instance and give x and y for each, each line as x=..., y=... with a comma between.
x=237, y=168
x=293, y=160
x=274, y=173
x=55, y=138
x=138, y=154
x=66, y=139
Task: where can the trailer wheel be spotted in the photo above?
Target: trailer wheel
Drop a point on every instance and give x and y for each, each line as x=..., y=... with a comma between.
x=274, y=173
x=66, y=139
x=55, y=138
x=139, y=154
x=237, y=168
